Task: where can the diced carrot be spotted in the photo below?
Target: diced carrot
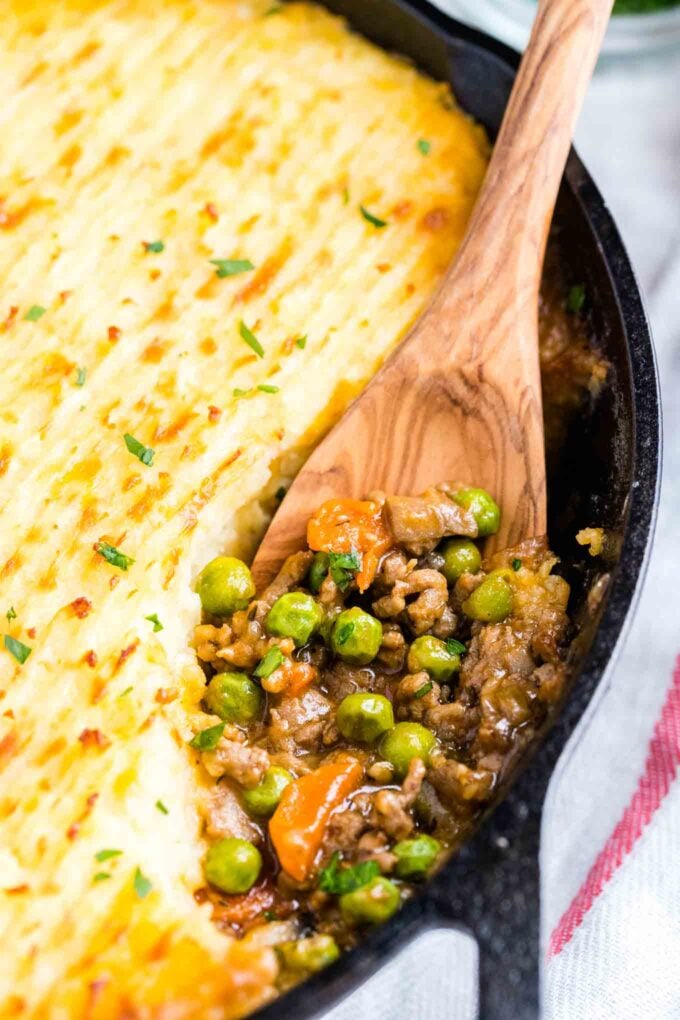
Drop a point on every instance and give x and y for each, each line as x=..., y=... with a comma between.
x=351, y=525
x=298, y=825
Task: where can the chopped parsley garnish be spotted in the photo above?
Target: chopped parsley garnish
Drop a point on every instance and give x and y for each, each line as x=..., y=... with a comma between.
x=207, y=740
x=516, y=564
x=17, y=648
x=113, y=556
x=157, y=625
x=343, y=633
x=337, y=880
x=454, y=647
x=250, y=339
x=162, y=808
x=106, y=855
x=576, y=298
x=154, y=246
x=280, y=493
x=271, y=661
x=343, y=566
x=236, y=392
x=424, y=146
x=301, y=342
x=370, y=218
x=11, y=614
x=81, y=376
x=101, y=876
x=34, y=313
x=422, y=691
x=345, y=196
x=265, y=388
x=142, y=885
x=126, y=691
x=231, y=267
x=274, y=9
x=269, y=915
x=139, y=450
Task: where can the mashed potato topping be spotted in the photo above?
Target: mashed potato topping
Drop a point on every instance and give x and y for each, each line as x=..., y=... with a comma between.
x=196, y=279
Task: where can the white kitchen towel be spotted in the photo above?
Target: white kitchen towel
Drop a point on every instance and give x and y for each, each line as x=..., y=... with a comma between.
x=610, y=855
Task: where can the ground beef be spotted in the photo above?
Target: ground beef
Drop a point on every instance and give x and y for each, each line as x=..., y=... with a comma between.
x=496, y=649
x=425, y=611
x=240, y=645
x=330, y=595
x=460, y=787
x=208, y=640
x=447, y=624
x=418, y=523
x=393, y=648
x=375, y=846
x=409, y=706
x=391, y=808
x=454, y=723
x=238, y=761
x=292, y=573
x=299, y=723
x=224, y=816
x=344, y=829
x=341, y=679
x=550, y=680
x=433, y=595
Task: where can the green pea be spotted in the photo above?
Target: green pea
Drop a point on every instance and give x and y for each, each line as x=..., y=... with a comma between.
x=372, y=903
x=263, y=798
x=310, y=954
x=234, y=697
x=364, y=717
x=225, y=585
x=416, y=856
x=432, y=655
x=491, y=602
x=356, y=636
x=484, y=508
x=461, y=556
x=408, y=740
x=233, y=865
x=318, y=571
x=295, y=615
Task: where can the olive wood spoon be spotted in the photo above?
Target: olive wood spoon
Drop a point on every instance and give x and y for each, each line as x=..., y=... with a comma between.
x=460, y=398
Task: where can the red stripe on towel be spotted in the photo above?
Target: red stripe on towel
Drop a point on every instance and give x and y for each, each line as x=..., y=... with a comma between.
x=661, y=766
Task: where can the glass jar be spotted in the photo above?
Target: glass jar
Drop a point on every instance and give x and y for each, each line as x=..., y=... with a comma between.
x=629, y=34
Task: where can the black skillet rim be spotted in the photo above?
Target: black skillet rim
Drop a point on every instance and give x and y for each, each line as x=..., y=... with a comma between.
x=327, y=989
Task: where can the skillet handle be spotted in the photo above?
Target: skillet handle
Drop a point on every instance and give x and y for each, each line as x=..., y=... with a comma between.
x=491, y=888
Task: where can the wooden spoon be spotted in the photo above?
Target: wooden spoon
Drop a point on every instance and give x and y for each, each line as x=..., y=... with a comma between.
x=460, y=398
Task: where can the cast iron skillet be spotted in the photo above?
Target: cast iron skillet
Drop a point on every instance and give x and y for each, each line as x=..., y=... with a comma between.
x=607, y=475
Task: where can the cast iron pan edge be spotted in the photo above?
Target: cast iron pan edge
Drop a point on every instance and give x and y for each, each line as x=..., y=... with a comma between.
x=491, y=887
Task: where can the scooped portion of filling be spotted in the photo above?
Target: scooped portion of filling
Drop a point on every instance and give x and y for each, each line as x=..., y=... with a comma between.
x=365, y=708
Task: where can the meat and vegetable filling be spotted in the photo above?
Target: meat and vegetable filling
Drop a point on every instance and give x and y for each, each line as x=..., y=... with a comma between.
x=362, y=711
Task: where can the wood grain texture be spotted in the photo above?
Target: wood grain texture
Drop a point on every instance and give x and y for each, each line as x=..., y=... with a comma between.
x=461, y=396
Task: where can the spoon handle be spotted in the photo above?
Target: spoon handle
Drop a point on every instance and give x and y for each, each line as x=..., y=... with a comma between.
x=514, y=210
x=482, y=327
